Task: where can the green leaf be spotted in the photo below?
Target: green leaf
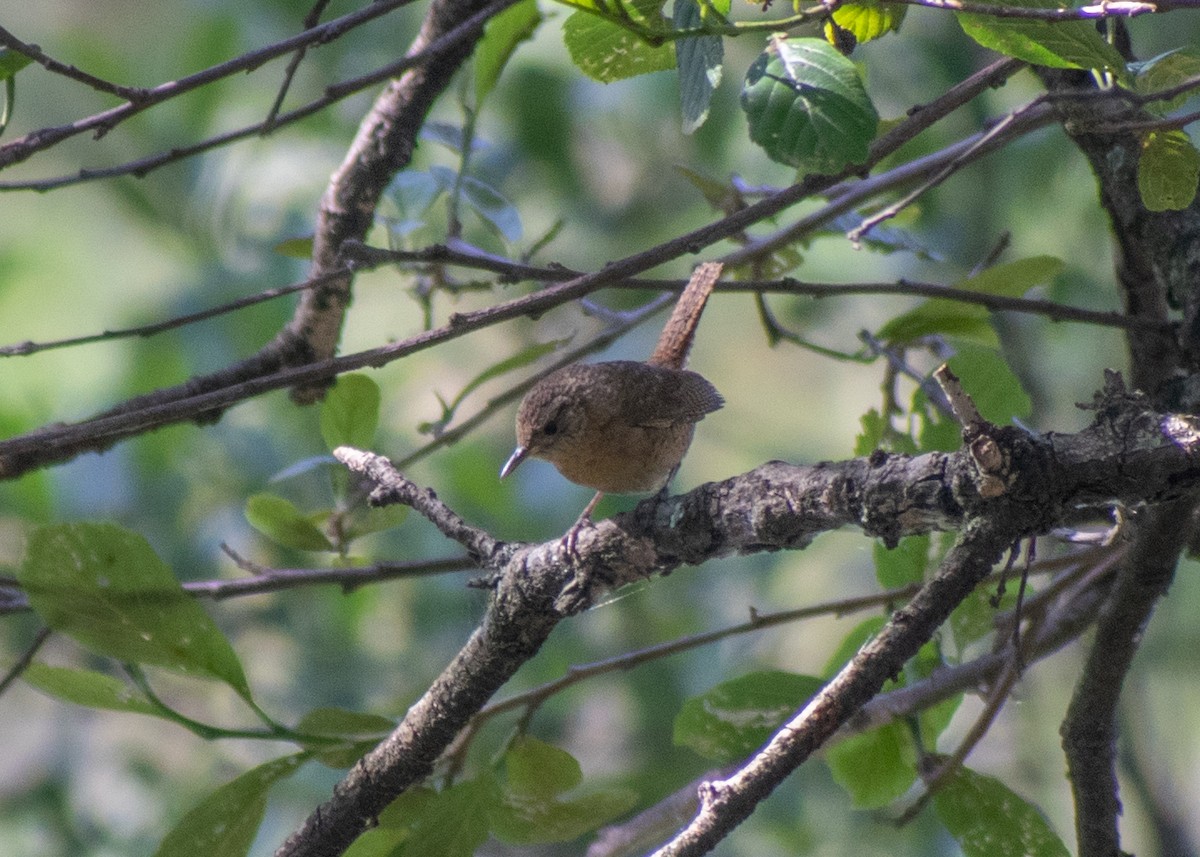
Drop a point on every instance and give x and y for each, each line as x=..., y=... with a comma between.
x=358, y=730
x=1073, y=44
x=539, y=770
x=295, y=248
x=807, y=107
x=503, y=34
x=903, y=564
x=531, y=813
x=858, y=637
x=700, y=60
x=86, y=687
x=986, y=376
x=365, y=520
x=343, y=723
x=1014, y=279
x=736, y=717
x=395, y=824
x=536, y=822
x=875, y=767
x=948, y=317
x=870, y=438
x=1163, y=72
x=105, y=587
x=1168, y=171
x=279, y=520
x=936, y=432
x=454, y=822
x=224, y=824
x=11, y=62
x=491, y=206
x=350, y=412
x=508, y=364
x=869, y=19
x=990, y=820
x=940, y=316
x=606, y=51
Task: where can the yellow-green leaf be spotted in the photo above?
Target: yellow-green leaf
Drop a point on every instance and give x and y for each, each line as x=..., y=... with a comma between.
x=1168, y=171
x=869, y=19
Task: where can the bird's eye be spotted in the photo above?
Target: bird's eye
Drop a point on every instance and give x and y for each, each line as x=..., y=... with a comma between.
x=550, y=428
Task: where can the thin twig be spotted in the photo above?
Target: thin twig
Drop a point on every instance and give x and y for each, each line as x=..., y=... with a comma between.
x=29, y=347
x=26, y=658
x=310, y=21
x=35, y=53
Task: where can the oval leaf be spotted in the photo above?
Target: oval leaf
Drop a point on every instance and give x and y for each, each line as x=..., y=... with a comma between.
x=501, y=38
x=538, y=769
x=736, y=717
x=1168, y=171
x=807, y=107
x=350, y=412
x=226, y=821
x=1073, y=44
x=606, y=52
x=876, y=767
x=990, y=820
x=280, y=521
x=86, y=687
x=106, y=588
x=869, y=19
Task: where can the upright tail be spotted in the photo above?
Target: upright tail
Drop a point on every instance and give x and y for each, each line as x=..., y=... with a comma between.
x=675, y=341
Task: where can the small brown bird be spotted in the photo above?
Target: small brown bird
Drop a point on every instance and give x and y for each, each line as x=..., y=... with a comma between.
x=622, y=427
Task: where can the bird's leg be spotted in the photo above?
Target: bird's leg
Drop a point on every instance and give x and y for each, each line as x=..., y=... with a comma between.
x=584, y=520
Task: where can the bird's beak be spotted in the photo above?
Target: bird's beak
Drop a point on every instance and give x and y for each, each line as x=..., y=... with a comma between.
x=519, y=455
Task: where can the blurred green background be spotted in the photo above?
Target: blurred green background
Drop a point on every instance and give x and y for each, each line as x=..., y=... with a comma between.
x=602, y=159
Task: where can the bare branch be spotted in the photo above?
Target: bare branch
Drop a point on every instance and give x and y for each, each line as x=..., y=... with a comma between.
x=775, y=506
x=22, y=148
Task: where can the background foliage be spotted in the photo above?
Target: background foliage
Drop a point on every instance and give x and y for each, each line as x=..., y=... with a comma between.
x=586, y=172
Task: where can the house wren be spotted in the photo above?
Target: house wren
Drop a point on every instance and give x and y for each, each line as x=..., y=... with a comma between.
x=623, y=426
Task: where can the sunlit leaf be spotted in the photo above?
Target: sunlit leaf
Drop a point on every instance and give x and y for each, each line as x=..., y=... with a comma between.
x=278, y=519
x=1168, y=171
x=869, y=19
x=105, y=587
x=993, y=386
x=990, y=820
x=875, y=767
x=807, y=107
x=1073, y=44
x=225, y=823
x=904, y=564
x=736, y=717
x=606, y=51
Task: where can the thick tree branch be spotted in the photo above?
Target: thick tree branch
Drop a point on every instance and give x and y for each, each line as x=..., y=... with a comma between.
x=1010, y=487
x=1089, y=732
x=383, y=146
